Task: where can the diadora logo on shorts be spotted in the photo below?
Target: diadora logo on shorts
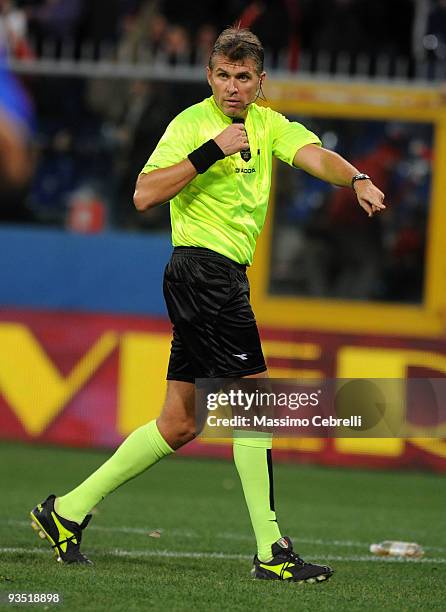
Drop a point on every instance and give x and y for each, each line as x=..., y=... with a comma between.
x=245, y=170
x=243, y=356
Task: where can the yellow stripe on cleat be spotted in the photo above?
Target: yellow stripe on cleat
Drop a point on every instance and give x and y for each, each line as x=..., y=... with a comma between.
x=39, y=526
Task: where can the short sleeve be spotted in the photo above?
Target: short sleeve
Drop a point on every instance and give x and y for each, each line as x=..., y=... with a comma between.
x=289, y=137
x=175, y=144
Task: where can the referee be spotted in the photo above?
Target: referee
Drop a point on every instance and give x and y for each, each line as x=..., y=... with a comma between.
x=214, y=165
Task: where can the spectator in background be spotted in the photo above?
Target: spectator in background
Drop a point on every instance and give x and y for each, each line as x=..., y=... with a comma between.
x=204, y=42
x=177, y=45
x=434, y=40
x=16, y=118
x=13, y=30
x=149, y=107
x=157, y=28
x=143, y=34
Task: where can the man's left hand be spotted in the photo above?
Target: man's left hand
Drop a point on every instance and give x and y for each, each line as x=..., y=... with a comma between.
x=370, y=198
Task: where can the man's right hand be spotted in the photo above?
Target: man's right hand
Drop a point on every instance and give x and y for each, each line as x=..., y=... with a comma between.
x=233, y=139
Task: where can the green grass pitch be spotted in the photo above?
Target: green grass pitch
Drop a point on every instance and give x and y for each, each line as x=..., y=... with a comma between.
x=202, y=560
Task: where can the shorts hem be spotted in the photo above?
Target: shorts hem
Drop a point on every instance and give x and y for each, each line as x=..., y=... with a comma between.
x=188, y=379
x=238, y=374
x=241, y=373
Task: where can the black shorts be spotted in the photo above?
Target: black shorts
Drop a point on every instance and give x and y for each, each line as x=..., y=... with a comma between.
x=215, y=333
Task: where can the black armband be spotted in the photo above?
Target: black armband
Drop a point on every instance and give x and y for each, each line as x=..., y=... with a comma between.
x=206, y=155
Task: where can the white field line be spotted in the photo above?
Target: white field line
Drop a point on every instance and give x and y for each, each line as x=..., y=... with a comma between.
x=117, y=552
x=222, y=535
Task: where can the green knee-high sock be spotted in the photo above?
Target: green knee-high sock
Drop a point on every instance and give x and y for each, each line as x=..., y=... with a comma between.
x=252, y=457
x=143, y=448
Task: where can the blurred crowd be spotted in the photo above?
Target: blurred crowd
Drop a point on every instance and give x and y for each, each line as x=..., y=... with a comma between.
x=324, y=244
x=71, y=147
x=182, y=32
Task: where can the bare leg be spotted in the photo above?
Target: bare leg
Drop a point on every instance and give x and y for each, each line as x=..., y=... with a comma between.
x=176, y=422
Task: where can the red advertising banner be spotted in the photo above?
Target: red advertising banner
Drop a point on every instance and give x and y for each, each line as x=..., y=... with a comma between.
x=89, y=380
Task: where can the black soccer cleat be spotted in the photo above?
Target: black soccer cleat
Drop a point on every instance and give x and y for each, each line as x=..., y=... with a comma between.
x=287, y=565
x=64, y=536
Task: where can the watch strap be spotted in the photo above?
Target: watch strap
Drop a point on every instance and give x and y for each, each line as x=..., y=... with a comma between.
x=360, y=177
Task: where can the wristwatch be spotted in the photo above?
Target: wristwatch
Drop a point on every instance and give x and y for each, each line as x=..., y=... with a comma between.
x=360, y=177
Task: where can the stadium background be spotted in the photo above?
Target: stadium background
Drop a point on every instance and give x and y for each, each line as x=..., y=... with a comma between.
x=84, y=337
x=85, y=93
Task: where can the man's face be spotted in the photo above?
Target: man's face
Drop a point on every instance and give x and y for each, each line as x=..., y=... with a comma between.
x=234, y=84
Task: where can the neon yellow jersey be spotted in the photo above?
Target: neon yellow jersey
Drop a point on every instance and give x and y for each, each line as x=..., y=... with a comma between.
x=224, y=208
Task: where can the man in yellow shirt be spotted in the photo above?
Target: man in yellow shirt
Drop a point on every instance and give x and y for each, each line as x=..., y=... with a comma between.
x=214, y=165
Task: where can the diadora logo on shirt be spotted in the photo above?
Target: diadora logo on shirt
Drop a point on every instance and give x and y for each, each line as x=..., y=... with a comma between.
x=245, y=170
x=242, y=356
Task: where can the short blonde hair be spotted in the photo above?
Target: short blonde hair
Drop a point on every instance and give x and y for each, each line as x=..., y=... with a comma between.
x=237, y=44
